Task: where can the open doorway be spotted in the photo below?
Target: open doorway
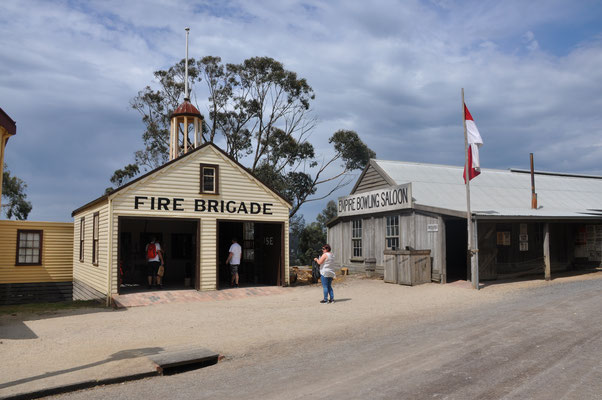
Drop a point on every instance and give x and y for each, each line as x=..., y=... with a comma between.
x=456, y=248
x=178, y=240
x=262, y=261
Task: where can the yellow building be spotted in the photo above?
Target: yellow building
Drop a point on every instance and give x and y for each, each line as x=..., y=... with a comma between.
x=36, y=261
x=194, y=205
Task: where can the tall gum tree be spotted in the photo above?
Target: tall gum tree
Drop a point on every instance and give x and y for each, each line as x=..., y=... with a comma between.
x=263, y=113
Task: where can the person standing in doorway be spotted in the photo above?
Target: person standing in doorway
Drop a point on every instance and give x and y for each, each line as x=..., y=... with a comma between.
x=154, y=261
x=327, y=273
x=234, y=261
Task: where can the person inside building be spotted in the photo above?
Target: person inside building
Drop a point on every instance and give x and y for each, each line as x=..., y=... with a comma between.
x=234, y=261
x=327, y=273
x=154, y=263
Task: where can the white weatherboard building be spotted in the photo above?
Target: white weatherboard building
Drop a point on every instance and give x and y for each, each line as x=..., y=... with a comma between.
x=403, y=205
x=194, y=205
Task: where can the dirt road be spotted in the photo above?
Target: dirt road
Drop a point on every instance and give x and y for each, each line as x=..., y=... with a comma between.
x=533, y=340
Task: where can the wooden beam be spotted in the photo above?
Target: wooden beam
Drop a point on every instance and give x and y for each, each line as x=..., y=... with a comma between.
x=546, y=251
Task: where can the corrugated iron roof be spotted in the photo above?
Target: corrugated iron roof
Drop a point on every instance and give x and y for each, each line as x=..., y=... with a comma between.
x=499, y=192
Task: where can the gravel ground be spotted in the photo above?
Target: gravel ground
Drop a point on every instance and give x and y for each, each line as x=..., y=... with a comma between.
x=54, y=348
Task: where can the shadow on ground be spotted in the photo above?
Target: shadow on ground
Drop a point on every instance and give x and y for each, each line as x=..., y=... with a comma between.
x=120, y=355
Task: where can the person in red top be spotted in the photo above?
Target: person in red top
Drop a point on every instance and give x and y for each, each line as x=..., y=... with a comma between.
x=154, y=260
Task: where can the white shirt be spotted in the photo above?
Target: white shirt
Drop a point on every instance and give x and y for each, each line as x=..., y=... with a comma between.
x=327, y=267
x=236, y=251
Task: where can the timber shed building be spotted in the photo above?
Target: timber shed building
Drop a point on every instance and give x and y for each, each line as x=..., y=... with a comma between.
x=404, y=205
x=194, y=205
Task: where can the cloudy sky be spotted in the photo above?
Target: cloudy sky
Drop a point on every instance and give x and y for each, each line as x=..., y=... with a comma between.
x=390, y=70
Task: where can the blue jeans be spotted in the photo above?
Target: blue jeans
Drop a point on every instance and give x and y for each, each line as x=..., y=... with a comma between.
x=327, y=287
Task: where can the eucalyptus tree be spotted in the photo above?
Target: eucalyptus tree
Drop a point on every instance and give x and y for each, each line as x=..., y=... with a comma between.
x=14, y=198
x=262, y=114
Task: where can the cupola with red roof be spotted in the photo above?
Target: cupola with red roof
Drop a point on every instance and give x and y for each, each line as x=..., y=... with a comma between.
x=186, y=119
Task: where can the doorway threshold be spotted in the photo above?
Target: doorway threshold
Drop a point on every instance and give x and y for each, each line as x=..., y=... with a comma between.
x=149, y=298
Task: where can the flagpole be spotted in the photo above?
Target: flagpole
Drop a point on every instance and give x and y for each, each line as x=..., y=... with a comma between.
x=473, y=271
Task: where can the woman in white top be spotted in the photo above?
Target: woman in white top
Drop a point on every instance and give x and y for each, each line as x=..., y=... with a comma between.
x=326, y=273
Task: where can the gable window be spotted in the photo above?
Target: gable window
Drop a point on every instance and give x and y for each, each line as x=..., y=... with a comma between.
x=356, y=237
x=81, y=238
x=392, y=233
x=95, y=235
x=29, y=247
x=209, y=178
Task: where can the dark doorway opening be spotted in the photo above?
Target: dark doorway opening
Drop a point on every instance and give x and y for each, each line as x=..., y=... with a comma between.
x=262, y=261
x=456, y=248
x=178, y=240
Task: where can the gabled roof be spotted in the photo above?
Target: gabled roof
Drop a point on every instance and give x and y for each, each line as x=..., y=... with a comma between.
x=106, y=196
x=499, y=193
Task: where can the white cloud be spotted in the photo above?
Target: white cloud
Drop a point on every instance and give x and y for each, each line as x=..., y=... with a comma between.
x=391, y=71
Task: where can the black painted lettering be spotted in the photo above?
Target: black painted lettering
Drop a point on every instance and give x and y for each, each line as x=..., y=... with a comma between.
x=221, y=206
x=138, y=201
x=242, y=208
x=266, y=208
x=177, y=204
x=163, y=202
x=199, y=205
x=229, y=209
x=212, y=205
x=152, y=203
x=255, y=208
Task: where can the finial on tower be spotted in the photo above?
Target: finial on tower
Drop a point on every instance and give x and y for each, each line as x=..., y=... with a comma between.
x=182, y=119
x=186, y=98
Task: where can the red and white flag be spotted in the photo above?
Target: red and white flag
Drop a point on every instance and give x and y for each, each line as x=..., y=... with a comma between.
x=474, y=142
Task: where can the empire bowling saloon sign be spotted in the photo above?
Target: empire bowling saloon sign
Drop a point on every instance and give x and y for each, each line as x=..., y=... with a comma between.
x=379, y=200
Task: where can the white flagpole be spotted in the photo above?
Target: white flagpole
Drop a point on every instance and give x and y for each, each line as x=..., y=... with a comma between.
x=473, y=267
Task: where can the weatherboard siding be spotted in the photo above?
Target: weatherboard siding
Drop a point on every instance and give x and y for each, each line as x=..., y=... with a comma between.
x=57, y=248
x=94, y=276
x=413, y=232
x=425, y=240
x=371, y=180
x=180, y=180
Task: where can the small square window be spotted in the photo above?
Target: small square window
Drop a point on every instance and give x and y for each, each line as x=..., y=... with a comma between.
x=29, y=247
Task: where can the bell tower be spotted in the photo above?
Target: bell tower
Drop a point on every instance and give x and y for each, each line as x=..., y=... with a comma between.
x=186, y=122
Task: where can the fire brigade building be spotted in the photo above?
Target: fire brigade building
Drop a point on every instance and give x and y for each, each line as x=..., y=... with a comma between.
x=194, y=205
x=405, y=208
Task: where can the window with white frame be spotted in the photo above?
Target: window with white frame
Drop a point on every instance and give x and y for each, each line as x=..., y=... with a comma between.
x=29, y=247
x=209, y=178
x=356, y=237
x=392, y=233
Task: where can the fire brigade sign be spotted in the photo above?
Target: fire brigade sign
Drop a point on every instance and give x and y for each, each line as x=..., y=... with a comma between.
x=380, y=200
